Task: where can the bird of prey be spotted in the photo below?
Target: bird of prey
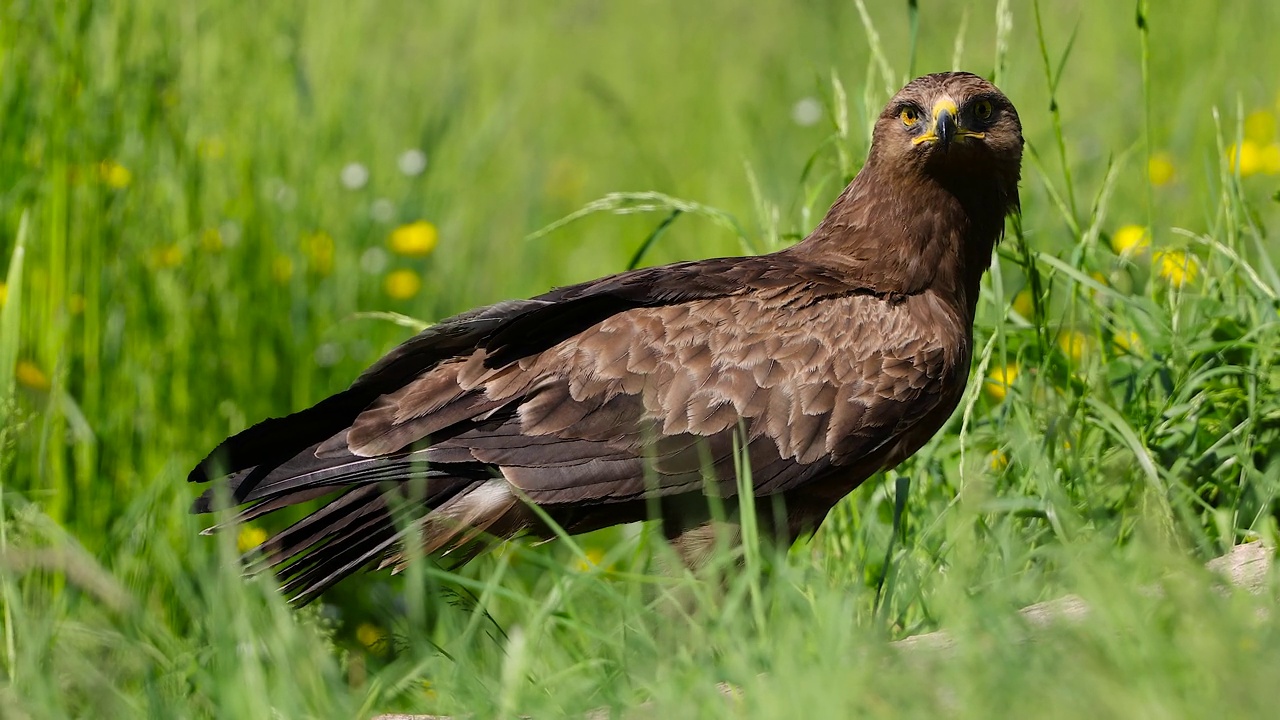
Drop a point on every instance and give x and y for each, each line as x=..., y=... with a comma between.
x=632, y=395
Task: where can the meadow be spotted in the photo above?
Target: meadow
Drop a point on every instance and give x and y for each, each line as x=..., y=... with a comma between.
x=214, y=212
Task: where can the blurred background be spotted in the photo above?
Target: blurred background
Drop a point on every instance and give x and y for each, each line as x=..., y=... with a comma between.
x=215, y=212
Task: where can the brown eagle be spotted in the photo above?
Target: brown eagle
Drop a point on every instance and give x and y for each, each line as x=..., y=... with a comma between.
x=633, y=395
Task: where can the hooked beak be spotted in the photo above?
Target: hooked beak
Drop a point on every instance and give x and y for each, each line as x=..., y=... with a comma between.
x=945, y=125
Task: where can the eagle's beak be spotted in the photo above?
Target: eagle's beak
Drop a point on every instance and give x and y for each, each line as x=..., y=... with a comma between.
x=944, y=123
x=944, y=126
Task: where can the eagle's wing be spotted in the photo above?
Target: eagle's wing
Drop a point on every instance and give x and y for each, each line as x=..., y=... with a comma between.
x=591, y=396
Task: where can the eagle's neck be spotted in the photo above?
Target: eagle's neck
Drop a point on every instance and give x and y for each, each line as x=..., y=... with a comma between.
x=903, y=231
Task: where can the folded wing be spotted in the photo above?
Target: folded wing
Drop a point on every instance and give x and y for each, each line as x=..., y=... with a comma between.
x=590, y=399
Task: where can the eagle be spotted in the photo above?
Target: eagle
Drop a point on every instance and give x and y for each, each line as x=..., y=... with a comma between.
x=638, y=395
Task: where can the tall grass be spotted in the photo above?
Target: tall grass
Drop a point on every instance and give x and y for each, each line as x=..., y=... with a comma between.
x=190, y=249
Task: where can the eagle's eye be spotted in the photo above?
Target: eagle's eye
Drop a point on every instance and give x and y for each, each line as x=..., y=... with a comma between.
x=910, y=116
x=982, y=109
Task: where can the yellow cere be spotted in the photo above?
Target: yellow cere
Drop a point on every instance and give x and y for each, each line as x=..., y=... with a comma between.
x=1130, y=240
x=416, y=239
x=947, y=104
x=999, y=380
x=1177, y=267
x=402, y=284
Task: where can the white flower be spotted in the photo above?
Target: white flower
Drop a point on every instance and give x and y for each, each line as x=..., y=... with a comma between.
x=382, y=210
x=807, y=111
x=412, y=162
x=328, y=354
x=374, y=260
x=286, y=197
x=354, y=176
x=229, y=232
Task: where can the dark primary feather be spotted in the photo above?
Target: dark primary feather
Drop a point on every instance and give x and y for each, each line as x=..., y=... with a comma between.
x=824, y=362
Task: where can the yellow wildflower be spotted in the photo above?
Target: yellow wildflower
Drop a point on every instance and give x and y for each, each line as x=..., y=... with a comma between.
x=250, y=537
x=415, y=239
x=402, y=284
x=30, y=376
x=281, y=269
x=1024, y=304
x=998, y=460
x=166, y=256
x=1074, y=344
x=1160, y=168
x=1260, y=127
x=1271, y=159
x=1127, y=341
x=1245, y=158
x=594, y=556
x=1000, y=379
x=1100, y=279
x=1130, y=240
x=370, y=635
x=319, y=249
x=211, y=240
x=1178, y=267
x=4, y=293
x=114, y=174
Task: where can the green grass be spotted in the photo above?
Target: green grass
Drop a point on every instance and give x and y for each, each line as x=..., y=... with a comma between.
x=178, y=166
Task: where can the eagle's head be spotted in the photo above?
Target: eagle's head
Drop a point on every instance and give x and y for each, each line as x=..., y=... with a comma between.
x=956, y=128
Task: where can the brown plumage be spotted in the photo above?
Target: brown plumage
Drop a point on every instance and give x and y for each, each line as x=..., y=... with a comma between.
x=828, y=361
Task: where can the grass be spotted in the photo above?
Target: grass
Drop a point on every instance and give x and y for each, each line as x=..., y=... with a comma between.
x=184, y=257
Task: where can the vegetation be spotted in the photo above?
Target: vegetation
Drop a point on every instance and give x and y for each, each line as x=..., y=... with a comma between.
x=215, y=212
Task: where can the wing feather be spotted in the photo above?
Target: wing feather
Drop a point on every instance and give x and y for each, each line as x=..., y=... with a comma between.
x=589, y=398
